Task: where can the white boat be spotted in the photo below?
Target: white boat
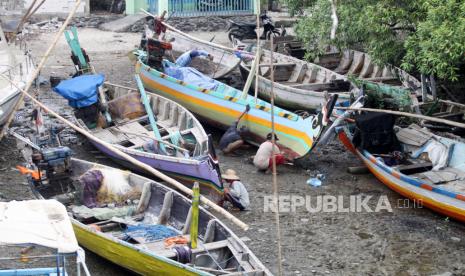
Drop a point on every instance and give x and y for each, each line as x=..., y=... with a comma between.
x=37, y=238
x=17, y=65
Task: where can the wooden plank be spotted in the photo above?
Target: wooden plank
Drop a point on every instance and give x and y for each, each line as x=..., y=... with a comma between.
x=414, y=168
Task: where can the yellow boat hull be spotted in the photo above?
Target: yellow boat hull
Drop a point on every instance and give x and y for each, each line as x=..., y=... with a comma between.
x=126, y=255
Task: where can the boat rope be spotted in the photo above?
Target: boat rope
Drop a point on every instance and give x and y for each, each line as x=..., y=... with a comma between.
x=275, y=180
x=131, y=159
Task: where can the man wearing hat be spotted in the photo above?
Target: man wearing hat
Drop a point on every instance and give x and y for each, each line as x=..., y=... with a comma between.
x=236, y=193
x=263, y=159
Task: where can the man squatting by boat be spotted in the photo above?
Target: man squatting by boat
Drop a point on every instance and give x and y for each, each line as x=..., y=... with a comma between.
x=236, y=193
x=232, y=139
x=263, y=159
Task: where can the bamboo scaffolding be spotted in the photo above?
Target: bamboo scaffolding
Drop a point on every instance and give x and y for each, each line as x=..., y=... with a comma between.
x=132, y=160
x=41, y=64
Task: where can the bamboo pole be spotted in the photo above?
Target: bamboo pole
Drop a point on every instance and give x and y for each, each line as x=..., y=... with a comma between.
x=132, y=160
x=257, y=70
x=41, y=64
x=275, y=180
x=194, y=229
x=418, y=116
x=23, y=19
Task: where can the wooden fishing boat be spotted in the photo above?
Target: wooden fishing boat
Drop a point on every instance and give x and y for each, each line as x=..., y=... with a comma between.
x=361, y=66
x=298, y=84
x=222, y=105
x=146, y=228
x=187, y=155
x=223, y=63
x=438, y=184
x=18, y=66
x=178, y=146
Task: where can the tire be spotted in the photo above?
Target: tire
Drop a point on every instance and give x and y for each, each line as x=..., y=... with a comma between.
x=235, y=33
x=274, y=33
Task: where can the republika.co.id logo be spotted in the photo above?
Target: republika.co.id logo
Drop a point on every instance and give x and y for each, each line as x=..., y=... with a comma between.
x=334, y=204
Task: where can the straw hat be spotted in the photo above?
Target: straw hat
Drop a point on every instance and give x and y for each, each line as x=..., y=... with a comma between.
x=230, y=175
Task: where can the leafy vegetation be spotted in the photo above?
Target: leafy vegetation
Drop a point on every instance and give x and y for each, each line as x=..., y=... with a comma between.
x=423, y=35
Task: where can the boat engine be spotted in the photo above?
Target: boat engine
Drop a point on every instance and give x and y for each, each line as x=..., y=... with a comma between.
x=53, y=163
x=155, y=51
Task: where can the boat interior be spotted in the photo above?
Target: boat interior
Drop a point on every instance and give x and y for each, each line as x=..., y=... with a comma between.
x=223, y=62
x=358, y=64
x=299, y=74
x=151, y=217
x=182, y=134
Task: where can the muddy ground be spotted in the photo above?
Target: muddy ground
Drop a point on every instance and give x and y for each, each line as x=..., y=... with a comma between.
x=407, y=241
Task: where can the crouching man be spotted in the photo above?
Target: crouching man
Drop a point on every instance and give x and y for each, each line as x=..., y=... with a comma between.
x=236, y=192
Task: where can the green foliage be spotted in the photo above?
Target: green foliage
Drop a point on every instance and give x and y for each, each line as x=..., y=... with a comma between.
x=426, y=35
x=438, y=45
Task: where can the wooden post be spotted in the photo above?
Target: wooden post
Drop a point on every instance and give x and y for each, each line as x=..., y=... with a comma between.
x=37, y=71
x=432, y=83
x=424, y=89
x=275, y=180
x=194, y=229
x=132, y=160
x=148, y=109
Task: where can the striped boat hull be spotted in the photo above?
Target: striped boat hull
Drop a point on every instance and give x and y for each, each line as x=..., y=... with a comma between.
x=436, y=199
x=296, y=135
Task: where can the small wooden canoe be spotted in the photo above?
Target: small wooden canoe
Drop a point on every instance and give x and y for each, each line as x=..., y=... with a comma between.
x=298, y=84
x=146, y=228
x=440, y=189
x=223, y=105
x=187, y=157
x=361, y=66
x=223, y=63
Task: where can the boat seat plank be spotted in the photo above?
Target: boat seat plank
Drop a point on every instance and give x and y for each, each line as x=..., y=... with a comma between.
x=414, y=168
x=444, y=176
x=414, y=135
x=299, y=74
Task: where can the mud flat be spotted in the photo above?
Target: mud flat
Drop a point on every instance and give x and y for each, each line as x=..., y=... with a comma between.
x=407, y=241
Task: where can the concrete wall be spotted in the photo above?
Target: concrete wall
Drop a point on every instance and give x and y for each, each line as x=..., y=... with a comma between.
x=11, y=5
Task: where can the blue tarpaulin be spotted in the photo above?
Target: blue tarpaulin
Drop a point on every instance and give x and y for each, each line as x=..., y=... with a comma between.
x=80, y=91
x=190, y=75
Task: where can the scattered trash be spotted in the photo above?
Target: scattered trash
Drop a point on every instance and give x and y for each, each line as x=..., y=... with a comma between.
x=317, y=180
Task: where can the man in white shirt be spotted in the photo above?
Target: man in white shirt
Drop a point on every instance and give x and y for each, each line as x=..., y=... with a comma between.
x=236, y=193
x=263, y=158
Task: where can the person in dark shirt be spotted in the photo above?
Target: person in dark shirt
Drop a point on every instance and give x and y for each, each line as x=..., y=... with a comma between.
x=232, y=139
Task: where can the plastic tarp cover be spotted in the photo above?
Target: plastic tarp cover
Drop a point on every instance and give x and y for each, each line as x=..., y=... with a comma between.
x=191, y=76
x=80, y=91
x=40, y=222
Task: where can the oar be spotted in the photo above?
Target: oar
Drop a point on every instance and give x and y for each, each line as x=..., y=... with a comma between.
x=148, y=109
